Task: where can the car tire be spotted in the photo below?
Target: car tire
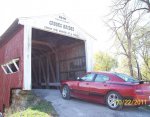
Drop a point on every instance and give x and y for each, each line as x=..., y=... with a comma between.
x=137, y=106
x=65, y=92
x=1, y=114
x=114, y=100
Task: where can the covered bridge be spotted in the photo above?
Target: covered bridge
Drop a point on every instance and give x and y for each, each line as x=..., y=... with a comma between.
x=39, y=52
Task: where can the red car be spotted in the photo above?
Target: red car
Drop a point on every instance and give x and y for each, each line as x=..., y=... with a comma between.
x=113, y=89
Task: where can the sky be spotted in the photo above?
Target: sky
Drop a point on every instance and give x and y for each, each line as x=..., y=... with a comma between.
x=88, y=14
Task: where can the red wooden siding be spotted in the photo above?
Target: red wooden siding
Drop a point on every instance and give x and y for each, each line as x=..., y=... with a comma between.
x=11, y=50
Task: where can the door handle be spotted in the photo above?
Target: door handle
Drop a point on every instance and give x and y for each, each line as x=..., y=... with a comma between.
x=87, y=83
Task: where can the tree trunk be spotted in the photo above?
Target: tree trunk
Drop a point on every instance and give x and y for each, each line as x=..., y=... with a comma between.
x=130, y=66
x=138, y=69
x=130, y=56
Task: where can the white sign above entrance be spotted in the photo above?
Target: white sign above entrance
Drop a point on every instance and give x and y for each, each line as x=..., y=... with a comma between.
x=61, y=25
x=57, y=24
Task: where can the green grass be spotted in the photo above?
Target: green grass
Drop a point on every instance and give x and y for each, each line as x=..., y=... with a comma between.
x=30, y=113
x=35, y=107
x=41, y=109
x=147, y=107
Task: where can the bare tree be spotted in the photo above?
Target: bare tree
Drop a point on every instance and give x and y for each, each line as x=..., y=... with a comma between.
x=123, y=24
x=141, y=5
x=145, y=49
x=142, y=47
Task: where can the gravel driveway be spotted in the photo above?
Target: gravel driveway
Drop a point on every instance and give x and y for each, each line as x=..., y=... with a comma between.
x=79, y=108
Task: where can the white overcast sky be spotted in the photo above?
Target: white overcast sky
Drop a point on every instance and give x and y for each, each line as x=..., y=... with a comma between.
x=88, y=14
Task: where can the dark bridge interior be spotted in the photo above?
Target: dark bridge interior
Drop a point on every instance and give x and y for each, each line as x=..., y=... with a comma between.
x=56, y=57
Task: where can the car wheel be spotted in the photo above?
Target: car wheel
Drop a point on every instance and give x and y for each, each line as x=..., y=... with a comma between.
x=1, y=114
x=137, y=106
x=114, y=100
x=65, y=92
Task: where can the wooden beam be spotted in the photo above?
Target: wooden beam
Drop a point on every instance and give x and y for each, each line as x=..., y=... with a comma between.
x=51, y=45
x=39, y=65
x=37, y=48
x=35, y=77
x=43, y=70
x=48, y=70
x=45, y=44
x=42, y=55
x=57, y=68
x=67, y=47
x=52, y=70
x=57, y=84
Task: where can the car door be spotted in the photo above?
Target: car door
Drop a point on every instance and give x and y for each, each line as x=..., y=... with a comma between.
x=83, y=87
x=99, y=86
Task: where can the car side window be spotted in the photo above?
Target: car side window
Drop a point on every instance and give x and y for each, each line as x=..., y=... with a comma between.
x=101, y=78
x=88, y=77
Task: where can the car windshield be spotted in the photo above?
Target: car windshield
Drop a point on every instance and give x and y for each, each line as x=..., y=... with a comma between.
x=127, y=78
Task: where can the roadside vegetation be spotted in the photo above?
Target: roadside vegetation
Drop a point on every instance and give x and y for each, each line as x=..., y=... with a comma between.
x=128, y=21
x=104, y=62
x=26, y=104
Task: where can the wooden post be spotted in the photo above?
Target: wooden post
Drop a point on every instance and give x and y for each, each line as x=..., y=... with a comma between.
x=52, y=71
x=39, y=72
x=35, y=74
x=57, y=68
x=44, y=75
x=48, y=70
x=56, y=55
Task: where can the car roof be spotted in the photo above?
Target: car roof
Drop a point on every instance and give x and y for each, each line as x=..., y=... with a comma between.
x=104, y=72
x=111, y=75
